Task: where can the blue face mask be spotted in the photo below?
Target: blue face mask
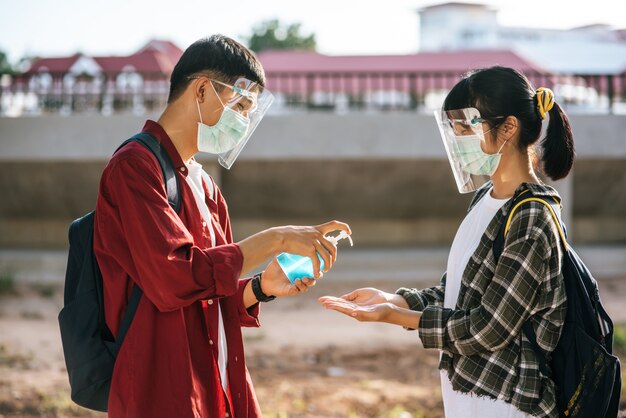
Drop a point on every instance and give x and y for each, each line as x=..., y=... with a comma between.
x=225, y=135
x=472, y=157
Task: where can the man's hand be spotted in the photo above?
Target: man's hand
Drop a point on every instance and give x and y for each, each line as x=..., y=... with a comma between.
x=307, y=241
x=310, y=240
x=275, y=283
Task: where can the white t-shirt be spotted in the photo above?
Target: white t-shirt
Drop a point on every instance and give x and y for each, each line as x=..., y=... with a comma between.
x=195, y=175
x=457, y=404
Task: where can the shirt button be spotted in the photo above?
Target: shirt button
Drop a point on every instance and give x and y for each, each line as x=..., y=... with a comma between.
x=204, y=224
x=182, y=169
x=211, y=342
x=210, y=302
x=235, y=358
x=227, y=414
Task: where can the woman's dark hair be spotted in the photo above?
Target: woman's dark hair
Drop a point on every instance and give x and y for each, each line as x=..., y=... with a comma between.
x=498, y=92
x=219, y=56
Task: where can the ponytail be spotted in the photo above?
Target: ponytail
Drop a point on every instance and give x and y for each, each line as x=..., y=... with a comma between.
x=558, y=145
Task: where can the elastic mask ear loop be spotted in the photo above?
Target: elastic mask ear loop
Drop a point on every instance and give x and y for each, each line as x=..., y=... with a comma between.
x=217, y=95
x=199, y=113
x=503, y=144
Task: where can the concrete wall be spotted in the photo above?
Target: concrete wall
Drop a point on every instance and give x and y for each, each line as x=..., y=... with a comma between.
x=386, y=174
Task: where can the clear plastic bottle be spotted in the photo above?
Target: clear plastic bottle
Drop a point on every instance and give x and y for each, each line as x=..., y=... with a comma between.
x=298, y=267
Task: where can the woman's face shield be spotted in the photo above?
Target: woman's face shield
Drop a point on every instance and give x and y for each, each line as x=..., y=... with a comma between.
x=460, y=130
x=250, y=100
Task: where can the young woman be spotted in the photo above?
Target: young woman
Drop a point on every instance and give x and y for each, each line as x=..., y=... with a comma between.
x=491, y=124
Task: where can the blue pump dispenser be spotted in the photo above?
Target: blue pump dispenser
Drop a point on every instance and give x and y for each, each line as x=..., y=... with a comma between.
x=298, y=267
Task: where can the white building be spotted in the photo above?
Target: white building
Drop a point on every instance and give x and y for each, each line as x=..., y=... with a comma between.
x=594, y=49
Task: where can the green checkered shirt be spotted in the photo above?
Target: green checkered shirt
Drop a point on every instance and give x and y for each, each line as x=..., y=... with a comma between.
x=483, y=349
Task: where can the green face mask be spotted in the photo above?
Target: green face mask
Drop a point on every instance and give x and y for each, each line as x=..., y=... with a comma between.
x=225, y=135
x=472, y=157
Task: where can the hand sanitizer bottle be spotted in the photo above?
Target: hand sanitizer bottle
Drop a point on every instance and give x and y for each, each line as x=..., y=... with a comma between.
x=298, y=267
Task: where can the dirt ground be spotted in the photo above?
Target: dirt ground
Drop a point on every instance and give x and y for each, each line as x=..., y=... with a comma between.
x=305, y=361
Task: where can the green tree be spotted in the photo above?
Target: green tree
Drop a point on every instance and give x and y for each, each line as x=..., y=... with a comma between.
x=272, y=34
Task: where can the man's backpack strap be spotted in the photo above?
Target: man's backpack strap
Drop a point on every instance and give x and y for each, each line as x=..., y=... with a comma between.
x=167, y=167
x=498, y=246
x=173, y=197
x=131, y=309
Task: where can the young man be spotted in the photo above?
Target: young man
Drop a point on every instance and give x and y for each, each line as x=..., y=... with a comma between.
x=183, y=355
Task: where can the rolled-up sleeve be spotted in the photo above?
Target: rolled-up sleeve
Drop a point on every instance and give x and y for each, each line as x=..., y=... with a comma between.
x=248, y=317
x=418, y=300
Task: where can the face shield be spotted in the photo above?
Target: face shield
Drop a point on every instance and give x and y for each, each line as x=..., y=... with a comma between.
x=463, y=136
x=250, y=100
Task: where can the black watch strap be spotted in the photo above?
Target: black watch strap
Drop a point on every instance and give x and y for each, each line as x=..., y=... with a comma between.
x=258, y=292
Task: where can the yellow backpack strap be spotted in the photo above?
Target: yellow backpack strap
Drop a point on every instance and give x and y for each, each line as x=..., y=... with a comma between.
x=549, y=206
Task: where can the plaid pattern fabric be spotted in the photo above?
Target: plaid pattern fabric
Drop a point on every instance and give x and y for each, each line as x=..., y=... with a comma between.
x=483, y=347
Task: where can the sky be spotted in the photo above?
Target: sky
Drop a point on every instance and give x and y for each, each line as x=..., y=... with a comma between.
x=351, y=27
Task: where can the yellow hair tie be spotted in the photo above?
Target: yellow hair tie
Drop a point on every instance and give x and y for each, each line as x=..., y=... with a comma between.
x=545, y=101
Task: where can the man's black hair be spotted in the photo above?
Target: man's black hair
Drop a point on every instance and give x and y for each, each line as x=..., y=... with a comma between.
x=221, y=57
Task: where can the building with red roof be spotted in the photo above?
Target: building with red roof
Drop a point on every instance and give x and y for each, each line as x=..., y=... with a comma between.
x=280, y=66
x=156, y=59
x=106, y=83
x=378, y=81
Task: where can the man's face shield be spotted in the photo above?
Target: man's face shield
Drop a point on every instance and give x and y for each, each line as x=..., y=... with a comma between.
x=462, y=134
x=250, y=100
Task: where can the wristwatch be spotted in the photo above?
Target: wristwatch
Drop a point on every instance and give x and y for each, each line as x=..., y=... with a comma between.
x=258, y=292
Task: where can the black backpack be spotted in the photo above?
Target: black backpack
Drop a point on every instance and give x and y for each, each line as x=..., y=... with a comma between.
x=586, y=373
x=89, y=346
